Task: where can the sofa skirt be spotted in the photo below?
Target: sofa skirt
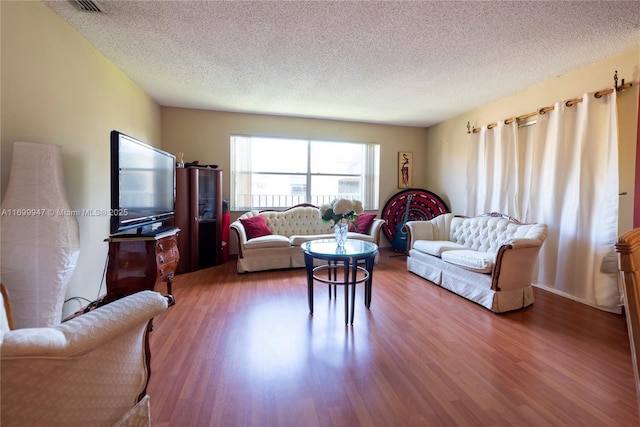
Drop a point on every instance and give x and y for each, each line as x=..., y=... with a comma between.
x=280, y=257
x=266, y=259
x=471, y=285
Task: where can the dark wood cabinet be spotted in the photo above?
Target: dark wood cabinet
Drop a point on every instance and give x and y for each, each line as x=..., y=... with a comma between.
x=138, y=263
x=199, y=217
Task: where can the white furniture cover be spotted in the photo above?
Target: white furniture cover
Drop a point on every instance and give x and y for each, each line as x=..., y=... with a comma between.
x=290, y=229
x=489, y=259
x=91, y=370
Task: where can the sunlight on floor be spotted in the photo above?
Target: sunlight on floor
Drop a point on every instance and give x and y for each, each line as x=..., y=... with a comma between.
x=274, y=329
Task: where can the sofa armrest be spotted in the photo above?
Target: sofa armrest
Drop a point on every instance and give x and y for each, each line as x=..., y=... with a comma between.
x=515, y=263
x=85, y=333
x=93, y=367
x=418, y=230
x=523, y=243
x=241, y=236
x=434, y=229
x=375, y=230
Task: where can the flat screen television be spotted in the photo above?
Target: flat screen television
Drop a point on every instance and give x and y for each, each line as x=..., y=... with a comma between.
x=142, y=186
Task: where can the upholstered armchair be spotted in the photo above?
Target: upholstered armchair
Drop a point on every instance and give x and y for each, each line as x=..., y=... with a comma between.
x=91, y=370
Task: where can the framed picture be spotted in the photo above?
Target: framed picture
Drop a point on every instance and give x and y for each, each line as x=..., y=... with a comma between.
x=405, y=169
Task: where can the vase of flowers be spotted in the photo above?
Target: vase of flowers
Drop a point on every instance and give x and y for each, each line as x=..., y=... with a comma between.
x=341, y=228
x=341, y=213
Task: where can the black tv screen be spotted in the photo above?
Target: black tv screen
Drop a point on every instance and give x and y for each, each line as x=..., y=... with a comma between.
x=142, y=185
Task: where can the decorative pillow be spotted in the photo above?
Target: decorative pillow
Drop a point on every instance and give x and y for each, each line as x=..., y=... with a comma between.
x=364, y=222
x=255, y=226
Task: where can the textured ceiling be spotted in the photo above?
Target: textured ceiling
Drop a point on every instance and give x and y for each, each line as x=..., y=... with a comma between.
x=406, y=63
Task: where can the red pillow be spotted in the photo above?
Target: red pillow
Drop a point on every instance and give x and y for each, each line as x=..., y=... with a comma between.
x=255, y=226
x=364, y=223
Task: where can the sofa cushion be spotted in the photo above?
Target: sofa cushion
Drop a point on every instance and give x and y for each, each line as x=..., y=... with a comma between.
x=255, y=226
x=298, y=240
x=482, y=262
x=270, y=241
x=436, y=247
x=364, y=222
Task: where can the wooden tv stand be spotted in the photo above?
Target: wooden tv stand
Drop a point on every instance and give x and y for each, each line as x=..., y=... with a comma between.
x=138, y=263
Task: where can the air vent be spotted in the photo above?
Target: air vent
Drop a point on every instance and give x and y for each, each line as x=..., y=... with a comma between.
x=87, y=6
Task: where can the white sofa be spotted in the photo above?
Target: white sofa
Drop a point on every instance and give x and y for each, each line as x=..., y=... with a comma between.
x=289, y=229
x=489, y=259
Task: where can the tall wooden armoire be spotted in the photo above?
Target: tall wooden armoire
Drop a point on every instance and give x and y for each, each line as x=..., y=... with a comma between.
x=198, y=214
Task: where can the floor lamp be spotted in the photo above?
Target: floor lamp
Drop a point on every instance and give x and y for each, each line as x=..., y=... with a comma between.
x=40, y=236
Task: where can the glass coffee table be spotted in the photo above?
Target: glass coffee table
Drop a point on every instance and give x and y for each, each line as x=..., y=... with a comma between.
x=346, y=266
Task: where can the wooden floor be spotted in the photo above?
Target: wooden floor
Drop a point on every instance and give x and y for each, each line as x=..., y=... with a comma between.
x=242, y=350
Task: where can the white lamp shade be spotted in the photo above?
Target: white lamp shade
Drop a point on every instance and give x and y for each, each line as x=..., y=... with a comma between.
x=40, y=236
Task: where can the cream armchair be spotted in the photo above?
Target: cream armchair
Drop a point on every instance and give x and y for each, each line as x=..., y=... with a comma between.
x=91, y=370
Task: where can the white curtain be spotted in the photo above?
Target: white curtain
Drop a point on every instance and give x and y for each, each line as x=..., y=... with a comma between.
x=240, y=172
x=567, y=178
x=492, y=172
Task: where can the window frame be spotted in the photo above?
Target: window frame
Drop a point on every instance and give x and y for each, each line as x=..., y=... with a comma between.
x=369, y=175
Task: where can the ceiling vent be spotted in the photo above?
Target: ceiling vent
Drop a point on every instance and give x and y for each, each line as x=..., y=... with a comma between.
x=88, y=6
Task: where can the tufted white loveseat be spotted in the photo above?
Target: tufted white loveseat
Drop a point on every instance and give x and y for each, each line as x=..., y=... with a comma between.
x=289, y=229
x=489, y=259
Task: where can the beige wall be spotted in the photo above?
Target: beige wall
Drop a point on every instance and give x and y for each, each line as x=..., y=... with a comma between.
x=446, y=151
x=56, y=88
x=204, y=136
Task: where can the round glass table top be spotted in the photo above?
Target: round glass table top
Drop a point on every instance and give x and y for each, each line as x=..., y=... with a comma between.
x=329, y=247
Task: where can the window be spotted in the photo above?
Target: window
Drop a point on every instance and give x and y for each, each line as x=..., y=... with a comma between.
x=269, y=173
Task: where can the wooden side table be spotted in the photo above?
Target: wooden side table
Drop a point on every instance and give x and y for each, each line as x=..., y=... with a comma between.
x=138, y=263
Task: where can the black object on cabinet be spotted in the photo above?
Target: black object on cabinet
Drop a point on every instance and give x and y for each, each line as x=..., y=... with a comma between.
x=198, y=214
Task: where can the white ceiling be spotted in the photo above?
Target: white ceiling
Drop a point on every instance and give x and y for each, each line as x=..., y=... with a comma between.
x=406, y=63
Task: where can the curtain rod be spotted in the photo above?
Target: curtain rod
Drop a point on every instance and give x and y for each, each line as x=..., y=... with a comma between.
x=569, y=103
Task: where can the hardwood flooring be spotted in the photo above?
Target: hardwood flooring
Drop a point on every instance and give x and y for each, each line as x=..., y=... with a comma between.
x=242, y=350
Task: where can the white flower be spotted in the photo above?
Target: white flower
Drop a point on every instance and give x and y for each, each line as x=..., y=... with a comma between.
x=343, y=206
x=341, y=211
x=357, y=207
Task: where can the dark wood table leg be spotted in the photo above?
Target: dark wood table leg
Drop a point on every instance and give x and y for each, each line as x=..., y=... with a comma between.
x=346, y=292
x=308, y=261
x=170, y=297
x=354, y=280
x=335, y=277
x=368, y=286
